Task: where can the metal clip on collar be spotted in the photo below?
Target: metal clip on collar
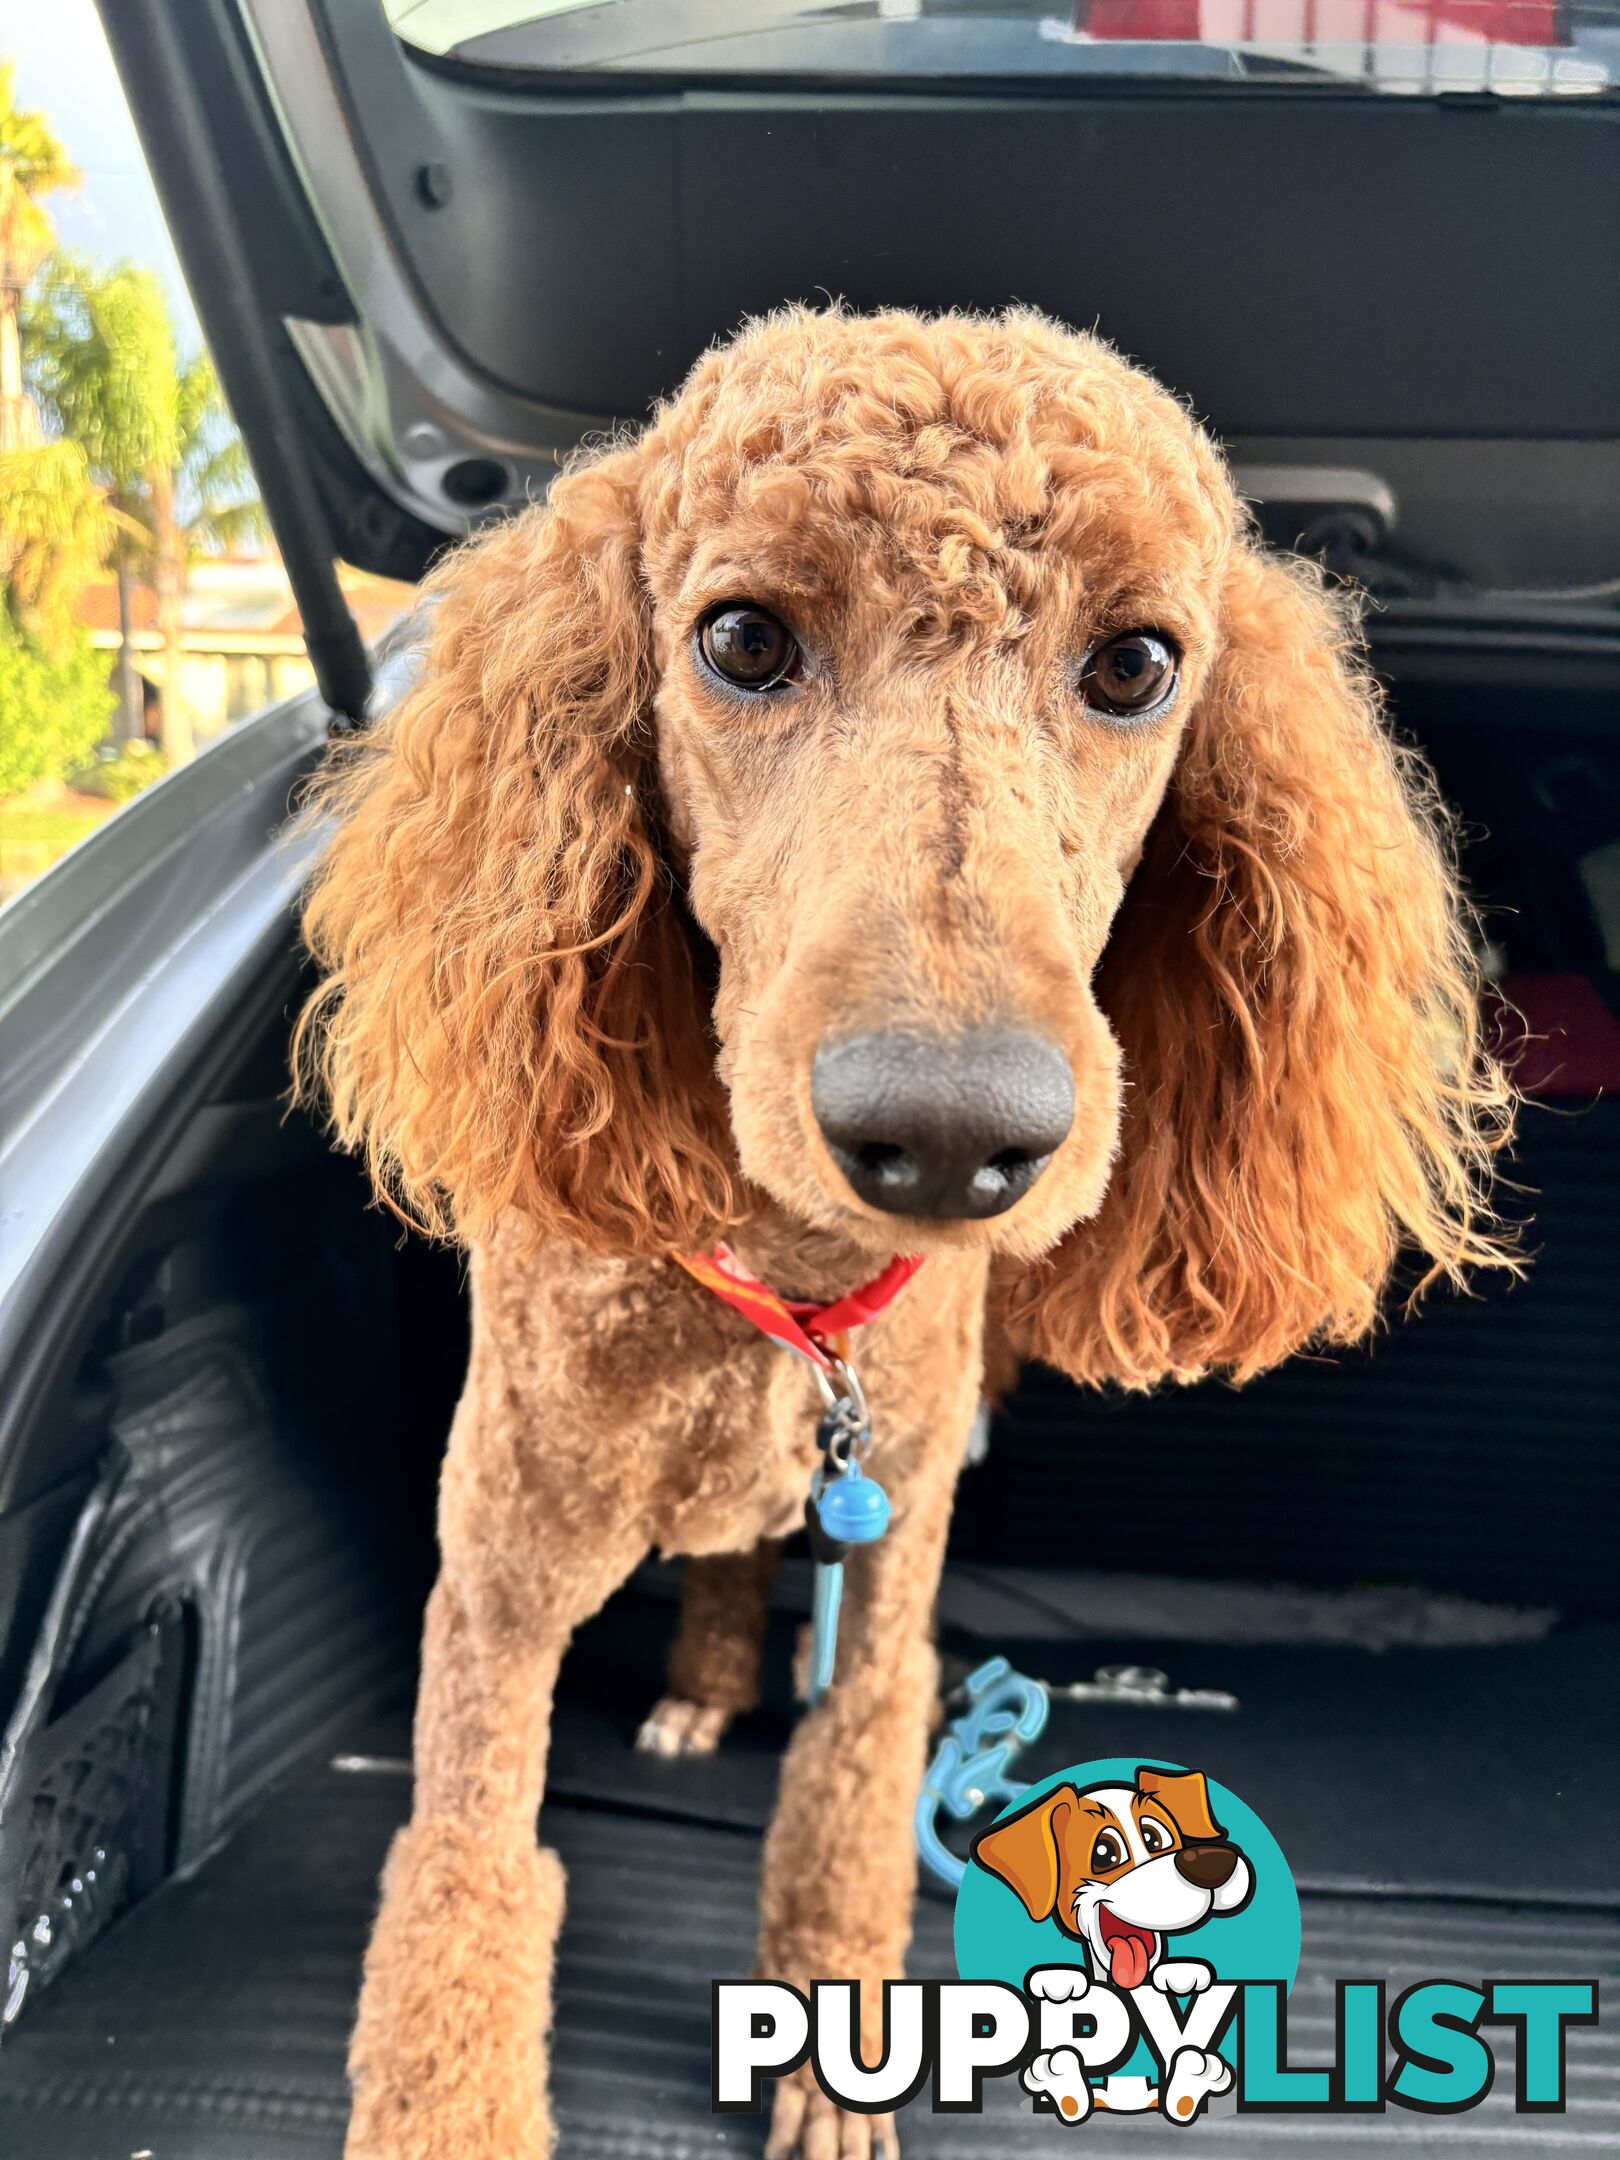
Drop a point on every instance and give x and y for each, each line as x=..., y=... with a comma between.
x=846, y=1425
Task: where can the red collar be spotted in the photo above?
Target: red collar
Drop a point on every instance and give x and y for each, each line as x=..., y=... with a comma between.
x=814, y=1331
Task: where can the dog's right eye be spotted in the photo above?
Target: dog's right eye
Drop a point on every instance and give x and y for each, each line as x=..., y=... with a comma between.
x=1132, y=676
x=1108, y=1852
x=747, y=647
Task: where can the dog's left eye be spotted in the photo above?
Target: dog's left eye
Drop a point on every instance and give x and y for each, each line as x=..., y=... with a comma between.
x=1155, y=1836
x=1131, y=676
x=747, y=647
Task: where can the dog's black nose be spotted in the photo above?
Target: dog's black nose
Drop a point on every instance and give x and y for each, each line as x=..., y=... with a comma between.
x=958, y=1126
x=1206, y=1866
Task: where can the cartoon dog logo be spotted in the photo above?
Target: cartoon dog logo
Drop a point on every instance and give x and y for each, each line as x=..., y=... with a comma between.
x=1122, y=1868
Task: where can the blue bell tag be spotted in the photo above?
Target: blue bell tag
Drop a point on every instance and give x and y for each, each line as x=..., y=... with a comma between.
x=852, y=1509
x=845, y=1508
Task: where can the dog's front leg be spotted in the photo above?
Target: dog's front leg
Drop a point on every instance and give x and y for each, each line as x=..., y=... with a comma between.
x=446, y=2060
x=840, y=1864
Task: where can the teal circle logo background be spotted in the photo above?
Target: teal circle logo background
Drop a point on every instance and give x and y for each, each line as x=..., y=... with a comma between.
x=997, y=1940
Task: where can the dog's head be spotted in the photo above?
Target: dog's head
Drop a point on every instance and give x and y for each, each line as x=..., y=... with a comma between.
x=897, y=781
x=1120, y=1867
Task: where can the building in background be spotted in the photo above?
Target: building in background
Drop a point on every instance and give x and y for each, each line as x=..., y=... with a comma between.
x=244, y=646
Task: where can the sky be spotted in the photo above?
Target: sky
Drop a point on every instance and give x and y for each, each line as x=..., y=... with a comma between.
x=64, y=67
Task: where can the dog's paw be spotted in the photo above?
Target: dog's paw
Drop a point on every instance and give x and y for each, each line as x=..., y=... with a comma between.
x=677, y=1727
x=1183, y=1976
x=1061, y=2076
x=806, y=2125
x=1196, y=2075
x=1059, y=1983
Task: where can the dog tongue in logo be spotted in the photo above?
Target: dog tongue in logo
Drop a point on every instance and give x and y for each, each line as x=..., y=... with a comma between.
x=1129, y=1949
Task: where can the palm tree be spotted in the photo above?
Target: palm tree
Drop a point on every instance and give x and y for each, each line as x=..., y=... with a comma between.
x=102, y=357
x=33, y=164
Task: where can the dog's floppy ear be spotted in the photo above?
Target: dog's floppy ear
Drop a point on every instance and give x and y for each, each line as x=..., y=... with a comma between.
x=1292, y=984
x=1185, y=1794
x=510, y=1020
x=1023, y=1851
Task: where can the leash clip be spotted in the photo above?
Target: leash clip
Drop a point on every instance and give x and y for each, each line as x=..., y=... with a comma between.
x=1002, y=1711
x=846, y=1425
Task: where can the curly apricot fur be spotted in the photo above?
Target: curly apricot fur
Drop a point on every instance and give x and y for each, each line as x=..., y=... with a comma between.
x=586, y=918
x=1293, y=984
x=509, y=1020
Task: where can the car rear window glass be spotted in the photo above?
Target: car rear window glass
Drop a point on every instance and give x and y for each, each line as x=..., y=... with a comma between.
x=1532, y=48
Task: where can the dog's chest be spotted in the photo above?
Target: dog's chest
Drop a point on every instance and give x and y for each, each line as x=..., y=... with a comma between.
x=627, y=1378
x=624, y=1387
x=740, y=1457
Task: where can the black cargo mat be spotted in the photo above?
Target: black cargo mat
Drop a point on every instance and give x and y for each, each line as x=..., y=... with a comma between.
x=1466, y=1745
x=211, y=2024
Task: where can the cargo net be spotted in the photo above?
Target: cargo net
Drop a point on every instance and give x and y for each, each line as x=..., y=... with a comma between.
x=84, y=1825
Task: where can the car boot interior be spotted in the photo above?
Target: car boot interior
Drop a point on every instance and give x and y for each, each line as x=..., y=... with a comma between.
x=1376, y=1591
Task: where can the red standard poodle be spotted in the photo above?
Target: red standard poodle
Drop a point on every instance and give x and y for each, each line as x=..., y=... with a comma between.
x=891, y=805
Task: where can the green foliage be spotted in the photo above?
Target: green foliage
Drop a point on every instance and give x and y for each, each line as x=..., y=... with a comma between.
x=54, y=707
x=117, y=774
x=33, y=163
x=216, y=496
x=101, y=359
x=102, y=363
x=55, y=533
